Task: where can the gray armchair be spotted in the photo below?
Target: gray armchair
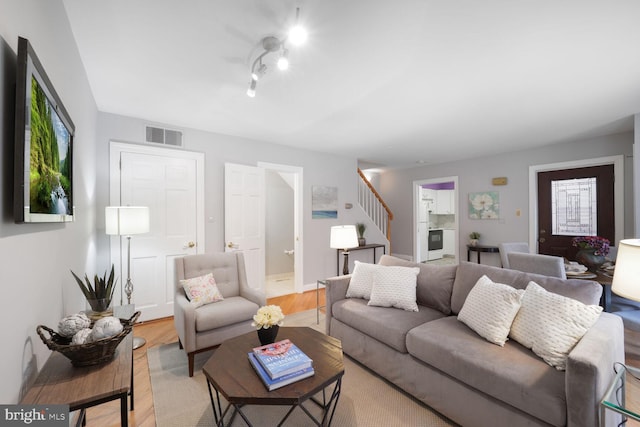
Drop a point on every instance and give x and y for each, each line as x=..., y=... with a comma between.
x=547, y=265
x=200, y=329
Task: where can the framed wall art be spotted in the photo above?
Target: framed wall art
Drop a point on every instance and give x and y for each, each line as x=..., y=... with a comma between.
x=484, y=205
x=324, y=202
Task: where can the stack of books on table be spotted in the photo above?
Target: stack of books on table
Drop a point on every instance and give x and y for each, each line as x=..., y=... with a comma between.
x=280, y=364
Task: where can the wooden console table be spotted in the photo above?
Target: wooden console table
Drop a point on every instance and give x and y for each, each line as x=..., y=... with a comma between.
x=373, y=246
x=61, y=383
x=481, y=248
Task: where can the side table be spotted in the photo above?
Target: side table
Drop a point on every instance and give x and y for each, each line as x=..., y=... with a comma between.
x=614, y=398
x=318, y=306
x=479, y=249
x=373, y=246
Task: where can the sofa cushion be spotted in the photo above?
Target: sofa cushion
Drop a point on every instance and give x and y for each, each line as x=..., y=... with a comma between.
x=387, y=325
x=394, y=287
x=361, y=280
x=551, y=325
x=226, y=312
x=490, y=309
x=201, y=290
x=467, y=274
x=511, y=374
x=433, y=284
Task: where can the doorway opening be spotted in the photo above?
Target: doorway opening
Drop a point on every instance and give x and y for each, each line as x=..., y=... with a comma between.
x=283, y=229
x=435, y=207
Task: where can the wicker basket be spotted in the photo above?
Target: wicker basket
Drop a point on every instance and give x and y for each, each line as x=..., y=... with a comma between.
x=94, y=353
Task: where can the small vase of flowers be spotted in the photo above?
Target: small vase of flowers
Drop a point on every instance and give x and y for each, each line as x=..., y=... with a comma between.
x=591, y=251
x=267, y=321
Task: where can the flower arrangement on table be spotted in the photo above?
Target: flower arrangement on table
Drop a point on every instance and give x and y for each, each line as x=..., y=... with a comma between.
x=600, y=244
x=268, y=316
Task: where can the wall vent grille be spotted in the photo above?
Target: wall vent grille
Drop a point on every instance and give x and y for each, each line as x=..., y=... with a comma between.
x=164, y=136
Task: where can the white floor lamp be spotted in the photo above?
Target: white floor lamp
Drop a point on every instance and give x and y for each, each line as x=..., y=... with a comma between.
x=127, y=221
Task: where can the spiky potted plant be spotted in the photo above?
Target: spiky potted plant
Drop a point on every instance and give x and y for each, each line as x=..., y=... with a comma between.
x=100, y=294
x=361, y=227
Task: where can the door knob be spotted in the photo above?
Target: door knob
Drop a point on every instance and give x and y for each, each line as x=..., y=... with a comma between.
x=542, y=240
x=191, y=244
x=231, y=245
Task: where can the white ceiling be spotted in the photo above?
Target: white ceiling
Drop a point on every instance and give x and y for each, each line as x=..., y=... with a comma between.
x=390, y=82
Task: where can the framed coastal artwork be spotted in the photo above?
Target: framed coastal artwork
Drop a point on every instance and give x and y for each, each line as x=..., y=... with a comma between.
x=324, y=202
x=484, y=205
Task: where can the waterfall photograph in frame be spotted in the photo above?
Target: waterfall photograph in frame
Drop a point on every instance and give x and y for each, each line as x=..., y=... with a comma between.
x=43, y=177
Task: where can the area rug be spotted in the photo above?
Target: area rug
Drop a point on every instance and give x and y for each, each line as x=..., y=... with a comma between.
x=366, y=399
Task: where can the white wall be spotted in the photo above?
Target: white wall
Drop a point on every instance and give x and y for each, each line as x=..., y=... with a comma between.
x=37, y=287
x=475, y=176
x=319, y=169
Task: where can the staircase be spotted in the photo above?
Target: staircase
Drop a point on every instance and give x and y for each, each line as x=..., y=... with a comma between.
x=371, y=202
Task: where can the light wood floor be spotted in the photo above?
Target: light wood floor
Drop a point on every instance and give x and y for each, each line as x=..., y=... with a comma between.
x=162, y=331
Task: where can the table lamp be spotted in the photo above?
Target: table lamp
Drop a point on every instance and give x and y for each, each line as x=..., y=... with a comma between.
x=344, y=237
x=127, y=221
x=626, y=276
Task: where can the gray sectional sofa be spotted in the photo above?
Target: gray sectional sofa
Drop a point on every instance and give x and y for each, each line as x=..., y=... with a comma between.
x=433, y=356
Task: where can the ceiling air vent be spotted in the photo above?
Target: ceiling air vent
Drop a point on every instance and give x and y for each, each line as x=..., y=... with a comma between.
x=164, y=136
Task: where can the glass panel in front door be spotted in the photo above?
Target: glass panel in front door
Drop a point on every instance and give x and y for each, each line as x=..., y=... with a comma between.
x=574, y=207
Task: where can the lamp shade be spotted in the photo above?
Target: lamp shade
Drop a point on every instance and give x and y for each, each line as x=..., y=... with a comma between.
x=126, y=220
x=343, y=237
x=626, y=278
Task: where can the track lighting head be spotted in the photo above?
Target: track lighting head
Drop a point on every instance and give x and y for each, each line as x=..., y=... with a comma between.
x=251, y=92
x=297, y=34
x=257, y=74
x=283, y=61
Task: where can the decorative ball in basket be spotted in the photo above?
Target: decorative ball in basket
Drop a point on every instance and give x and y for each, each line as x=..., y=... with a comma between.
x=97, y=350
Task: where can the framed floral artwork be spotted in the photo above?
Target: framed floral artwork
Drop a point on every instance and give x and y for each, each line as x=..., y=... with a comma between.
x=485, y=205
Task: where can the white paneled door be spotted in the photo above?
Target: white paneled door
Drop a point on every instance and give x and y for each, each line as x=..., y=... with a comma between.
x=244, y=218
x=169, y=183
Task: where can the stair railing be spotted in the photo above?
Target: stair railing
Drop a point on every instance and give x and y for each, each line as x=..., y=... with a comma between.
x=371, y=202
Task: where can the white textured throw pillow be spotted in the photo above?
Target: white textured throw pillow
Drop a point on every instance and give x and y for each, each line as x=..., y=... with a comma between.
x=490, y=309
x=551, y=324
x=201, y=290
x=361, y=280
x=395, y=287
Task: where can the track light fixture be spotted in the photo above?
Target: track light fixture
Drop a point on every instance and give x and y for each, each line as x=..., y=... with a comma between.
x=297, y=35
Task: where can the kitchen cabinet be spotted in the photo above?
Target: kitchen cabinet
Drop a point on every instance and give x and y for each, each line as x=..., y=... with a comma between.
x=429, y=198
x=445, y=202
x=449, y=242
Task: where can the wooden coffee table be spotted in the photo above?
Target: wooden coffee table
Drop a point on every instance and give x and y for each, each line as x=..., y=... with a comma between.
x=229, y=373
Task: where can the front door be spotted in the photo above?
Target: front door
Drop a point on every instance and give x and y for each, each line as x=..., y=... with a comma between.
x=170, y=183
x=574, y=202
